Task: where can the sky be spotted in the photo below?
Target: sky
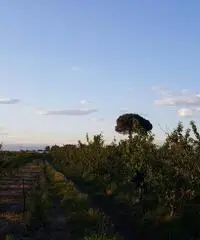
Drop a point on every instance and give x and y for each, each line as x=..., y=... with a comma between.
x=71, y=67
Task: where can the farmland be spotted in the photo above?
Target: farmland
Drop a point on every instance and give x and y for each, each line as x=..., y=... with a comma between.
x=89, y=190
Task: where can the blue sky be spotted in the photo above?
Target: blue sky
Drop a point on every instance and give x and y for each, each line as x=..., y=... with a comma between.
x=113, y=54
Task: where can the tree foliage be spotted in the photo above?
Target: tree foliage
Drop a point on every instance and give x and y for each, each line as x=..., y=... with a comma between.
x=132, y=123
x=170, y=173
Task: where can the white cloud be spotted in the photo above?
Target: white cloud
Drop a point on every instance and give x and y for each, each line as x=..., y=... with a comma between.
x=9, y=101
x=185, y=112
x=68, y=112
x=188, y=103
x=84, y=102
x=187, y=100
x=183, y=98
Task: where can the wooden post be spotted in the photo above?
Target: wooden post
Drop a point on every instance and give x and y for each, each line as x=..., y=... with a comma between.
x=24, y=197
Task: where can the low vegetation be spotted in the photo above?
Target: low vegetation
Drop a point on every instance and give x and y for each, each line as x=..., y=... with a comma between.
x=165, y=203
x=132, y=188
x=83, y=221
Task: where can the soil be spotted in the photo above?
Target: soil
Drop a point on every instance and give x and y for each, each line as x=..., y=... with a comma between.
x=12, y=189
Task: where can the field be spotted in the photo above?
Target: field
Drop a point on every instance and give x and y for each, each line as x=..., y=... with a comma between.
x=12, y=191
x=133, y=189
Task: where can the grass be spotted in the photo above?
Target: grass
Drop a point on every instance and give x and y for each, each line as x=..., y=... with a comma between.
x=9, y=237
x=83, y=221
x=118, y=209
x=39, y=204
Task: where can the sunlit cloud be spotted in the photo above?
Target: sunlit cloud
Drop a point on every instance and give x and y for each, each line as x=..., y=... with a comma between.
x=183, y=98
x=185, y=112
x=187, y=102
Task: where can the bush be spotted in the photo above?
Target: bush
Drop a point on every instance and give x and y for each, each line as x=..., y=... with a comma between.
x=171, y=175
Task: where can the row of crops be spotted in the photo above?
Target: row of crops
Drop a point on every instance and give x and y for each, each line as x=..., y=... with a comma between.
x=55, y=209
x=146, y=191
x=82, y=220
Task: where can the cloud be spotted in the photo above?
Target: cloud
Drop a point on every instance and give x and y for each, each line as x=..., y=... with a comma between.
x=84, y=102
x=182, y=98
x=68, y=112
x=76, y=68
x=187, y=102
x=9, y=101
x=185, y=112
x=189, y=112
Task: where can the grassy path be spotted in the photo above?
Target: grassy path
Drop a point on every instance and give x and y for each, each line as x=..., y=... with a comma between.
x=116, y=210
x=83, y=221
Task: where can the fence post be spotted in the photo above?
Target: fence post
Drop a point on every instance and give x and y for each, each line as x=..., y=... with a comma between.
x=24, y=197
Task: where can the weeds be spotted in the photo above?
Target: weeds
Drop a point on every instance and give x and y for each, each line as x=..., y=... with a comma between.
x=38, y=205
x=82, y=219
x=9, y=237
